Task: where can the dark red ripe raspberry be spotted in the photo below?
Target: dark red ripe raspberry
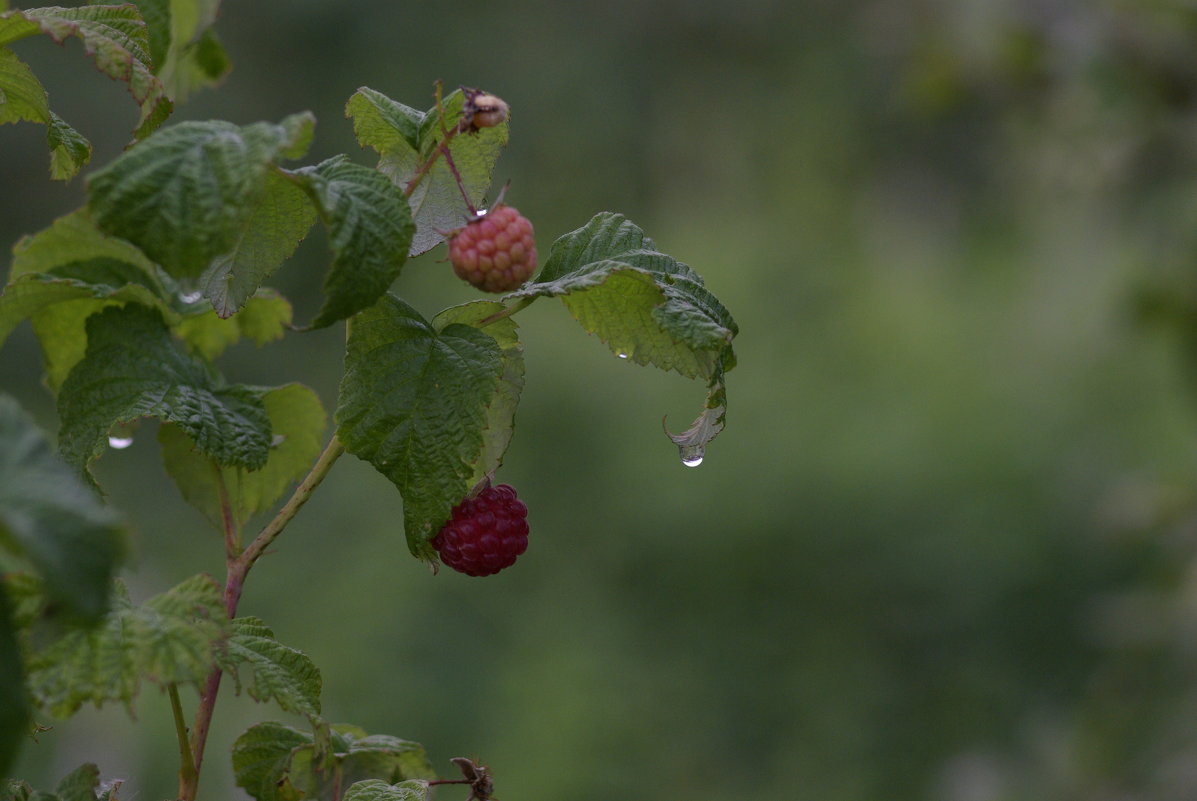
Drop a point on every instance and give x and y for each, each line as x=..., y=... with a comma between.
x=496, y=252
x=485, y=534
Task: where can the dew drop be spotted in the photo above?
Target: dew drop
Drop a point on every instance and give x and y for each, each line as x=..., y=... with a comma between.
x=277, y=440
x=622, y=355
x=119, y=443
x=693, y=461
x=190, y=297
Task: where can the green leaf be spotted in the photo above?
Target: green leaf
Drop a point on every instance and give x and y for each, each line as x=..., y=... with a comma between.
x=186, y=54
x=500, y=413
x=405, y=138
x=190, y=193
x=297, y=420
x=81, y=784
x=280, y=673
x=114, y=36
x=14, y=710
x=647, y=307
x=67, y=272
x=133, y=369
x=69, y=149
x=369, y=229
x=48, y=517
x=376, y=790
x=22, y=98
x=261, y=756
x=275, y=223
x=273, y=762
x=413, y=402
x=262, y=319
x=169, y=640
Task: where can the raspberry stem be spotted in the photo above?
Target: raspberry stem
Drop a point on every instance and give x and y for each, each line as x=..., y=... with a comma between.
x=507, y=311
x=442, y=148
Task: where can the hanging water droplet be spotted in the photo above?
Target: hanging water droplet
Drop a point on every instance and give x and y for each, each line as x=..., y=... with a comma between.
x=622, y=355
x=119, y=443
x=190, y=297
x=278, y=439
x=693, y=461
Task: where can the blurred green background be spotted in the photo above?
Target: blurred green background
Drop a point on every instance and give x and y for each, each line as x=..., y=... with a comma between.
x=945, y=548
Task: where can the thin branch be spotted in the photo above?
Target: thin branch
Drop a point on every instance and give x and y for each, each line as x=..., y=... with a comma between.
x=187, y=772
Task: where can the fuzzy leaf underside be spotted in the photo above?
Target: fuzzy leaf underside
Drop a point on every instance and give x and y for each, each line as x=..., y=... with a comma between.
x=413, y=403
x=280, y=673
x=52, y=520
x=191, y=193
x=115, y=38
x=500, y=414
x=369, y=229
x=378, y=790
x=645, y=306
x=404, y=139
x=133, y=369
x=273, y=762
x=297, y=421
x=170, y=639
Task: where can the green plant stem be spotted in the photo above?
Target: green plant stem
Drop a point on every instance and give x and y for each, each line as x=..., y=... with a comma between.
x=187, y=773
x=238, y=566
x=507, y=311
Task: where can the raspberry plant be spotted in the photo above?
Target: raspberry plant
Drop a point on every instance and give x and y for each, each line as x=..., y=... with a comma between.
x=134, y=297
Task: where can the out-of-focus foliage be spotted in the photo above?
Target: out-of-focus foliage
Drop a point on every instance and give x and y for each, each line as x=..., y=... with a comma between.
x=945, y=547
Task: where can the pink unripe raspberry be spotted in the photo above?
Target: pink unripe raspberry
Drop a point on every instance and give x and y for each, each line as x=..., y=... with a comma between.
x=496, y=252
x=485, y=533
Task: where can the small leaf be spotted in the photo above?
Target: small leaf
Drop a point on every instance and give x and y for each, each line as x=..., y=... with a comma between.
x=280, y=673
x=500, y=414
x=188, y=194
x=133, y=369
x=168, y=640
x=261, y=756
x=405, y=138
x=187, y=56
x=646, y=306
x=81, y=784
x=262, y=319
x=376, y=790
x=69, y=149
x=297, y=420
x=369, y=230
x=275, y=223
x=50, y=518
x=114, y=36
x=413, y=403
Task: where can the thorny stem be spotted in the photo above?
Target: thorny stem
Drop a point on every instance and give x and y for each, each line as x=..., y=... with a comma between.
x=238, y=564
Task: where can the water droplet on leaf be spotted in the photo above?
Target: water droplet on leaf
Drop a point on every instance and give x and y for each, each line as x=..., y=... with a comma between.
x=119, y=443
x=190, y=297
x=622, y=355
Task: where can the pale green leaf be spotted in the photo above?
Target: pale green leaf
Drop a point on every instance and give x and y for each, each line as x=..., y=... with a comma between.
x=297, y=421
x=262, y=319
x=22, y=97
x=171, y=639
x=369, y=230
x=188, y=194
x=49, y=518
x=69, y=149
x=377, y=790
x=413, y=402
x=500, y=413
x=279, y=673
x=133, y=369
x=275, y=222
x=405, y=138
